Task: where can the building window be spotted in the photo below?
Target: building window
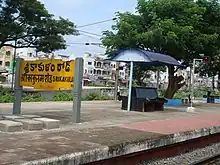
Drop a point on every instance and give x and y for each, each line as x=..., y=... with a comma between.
x=99, y=72
x=89, y=63
x=0, y=62
x=8, y=53
x=91, y=71
x=30, y=54
x=99, y=64
x=7, y=63
x=85, y=71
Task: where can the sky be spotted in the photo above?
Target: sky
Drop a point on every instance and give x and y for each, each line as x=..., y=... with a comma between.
x=83, y=12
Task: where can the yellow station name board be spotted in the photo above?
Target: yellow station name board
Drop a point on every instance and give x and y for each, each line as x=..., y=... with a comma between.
x=50, y=74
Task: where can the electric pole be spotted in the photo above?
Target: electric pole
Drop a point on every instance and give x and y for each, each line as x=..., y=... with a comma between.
x=116, y=81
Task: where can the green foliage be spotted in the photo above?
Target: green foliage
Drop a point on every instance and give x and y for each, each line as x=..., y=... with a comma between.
x=35, y=97
x=67, y=96
x=141, y=72
x=31, y=25
x=166, y=26
x=6, y=98
x=95, y=96
x=198, y=92
x=180, y=28
x=3, y=91
x=218, y=93
x=62, y=96
x=181, y=94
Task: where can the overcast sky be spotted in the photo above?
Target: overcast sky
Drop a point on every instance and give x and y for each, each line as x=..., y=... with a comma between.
x=83, y=12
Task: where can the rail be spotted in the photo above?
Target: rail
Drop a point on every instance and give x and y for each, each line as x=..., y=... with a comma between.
x=209, y=161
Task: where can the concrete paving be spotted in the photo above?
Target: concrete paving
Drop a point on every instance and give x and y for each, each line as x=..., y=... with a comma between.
x=29, y=124
x=101, y=112
x=103, y=131
x=10, y=126
x=48, y=123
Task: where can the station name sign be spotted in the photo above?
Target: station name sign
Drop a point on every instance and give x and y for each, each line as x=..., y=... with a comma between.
x=49, y=74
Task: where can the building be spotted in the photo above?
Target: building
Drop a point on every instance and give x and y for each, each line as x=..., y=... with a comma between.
x=6, y=56
x=32, y=54
x=26, y=53
x=99, y=70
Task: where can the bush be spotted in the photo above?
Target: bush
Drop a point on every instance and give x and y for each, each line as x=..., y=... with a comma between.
x=218, y=93
x=6, y=96
x=198, y=92
x=95, y=96
x=34, y=97
x=63, y=96
x=4, y=91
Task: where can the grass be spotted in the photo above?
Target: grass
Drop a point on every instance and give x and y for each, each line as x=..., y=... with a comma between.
x=6, y=96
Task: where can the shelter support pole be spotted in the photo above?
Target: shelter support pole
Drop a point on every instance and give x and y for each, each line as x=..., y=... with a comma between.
x=77, y=90
x=192, y=82
x=18, y=89
x=130, y=85
x=158, y=78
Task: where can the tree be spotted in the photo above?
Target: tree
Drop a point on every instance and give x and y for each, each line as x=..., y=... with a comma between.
x=170, y=27
x=210, y=69
x=211, y=24
x=141, y=73
x=29, y=24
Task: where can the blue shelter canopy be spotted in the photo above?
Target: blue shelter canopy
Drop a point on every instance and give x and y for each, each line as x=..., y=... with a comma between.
x=143, y=56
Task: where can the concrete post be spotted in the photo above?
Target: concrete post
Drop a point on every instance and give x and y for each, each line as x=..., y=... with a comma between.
x=158, y=78
x=116, y=81
x=77, y=89
x=130, y=86
x=18, y=89
x=13, y=66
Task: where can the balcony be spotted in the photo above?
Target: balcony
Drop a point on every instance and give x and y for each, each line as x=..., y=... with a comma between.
x=98, y=66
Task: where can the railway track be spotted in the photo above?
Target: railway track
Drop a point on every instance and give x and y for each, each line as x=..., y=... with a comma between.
x=215, y=160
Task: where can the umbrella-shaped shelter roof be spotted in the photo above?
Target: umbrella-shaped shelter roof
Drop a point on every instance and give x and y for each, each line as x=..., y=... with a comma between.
x=143, y=56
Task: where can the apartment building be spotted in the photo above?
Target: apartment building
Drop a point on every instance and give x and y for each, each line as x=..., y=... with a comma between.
x=96, y=68
x=32, y=54
x=6, y=56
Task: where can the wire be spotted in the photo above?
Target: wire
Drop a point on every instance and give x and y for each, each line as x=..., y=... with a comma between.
x=90, y=36
x=76, y=43
x=85, y=43
x=95, y=23
x=90, y=33
x=86, y=32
